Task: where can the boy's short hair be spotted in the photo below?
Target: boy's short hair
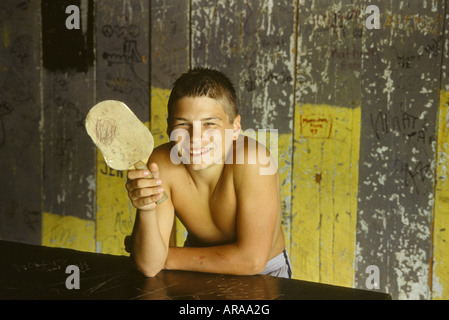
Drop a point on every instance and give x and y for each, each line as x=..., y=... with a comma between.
x=205, y=82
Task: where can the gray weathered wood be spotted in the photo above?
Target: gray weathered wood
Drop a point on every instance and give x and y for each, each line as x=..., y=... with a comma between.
x=397, y=159
x=123, y=67
x=68, y=94
x=20, y=122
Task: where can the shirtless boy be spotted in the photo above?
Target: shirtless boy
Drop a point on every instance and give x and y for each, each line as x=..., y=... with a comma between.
x=231, y=211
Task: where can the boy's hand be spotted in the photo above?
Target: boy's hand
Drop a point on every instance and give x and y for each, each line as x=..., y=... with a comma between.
x=143, y=191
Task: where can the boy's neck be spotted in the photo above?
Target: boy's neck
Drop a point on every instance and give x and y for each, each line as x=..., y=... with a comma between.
x=207, y=177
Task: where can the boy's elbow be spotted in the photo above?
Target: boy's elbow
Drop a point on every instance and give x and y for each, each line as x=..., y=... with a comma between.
x=149, y=272
x=251, y=262
x=146, y=269
x=255, y=265
x=259, y=266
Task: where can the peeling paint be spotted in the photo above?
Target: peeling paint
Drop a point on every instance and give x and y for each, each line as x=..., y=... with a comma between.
x=396, y=196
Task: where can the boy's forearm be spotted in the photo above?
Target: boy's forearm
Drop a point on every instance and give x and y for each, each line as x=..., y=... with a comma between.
x=149, y=250
x=225, y=259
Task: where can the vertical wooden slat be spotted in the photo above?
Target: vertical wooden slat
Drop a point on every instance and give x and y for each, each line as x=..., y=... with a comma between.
x=20, y=122
x=398, y=140
x=440, y=272
x=68, y=93
x=440, y=223
x=326, y=141
x=169, y=58
x=123, y=73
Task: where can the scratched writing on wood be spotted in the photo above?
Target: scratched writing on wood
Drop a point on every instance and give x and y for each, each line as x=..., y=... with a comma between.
x=63, y=236
x=51, y=265
x=410, y=126
x=414, y=174
x=315, y=126
x=344, y=23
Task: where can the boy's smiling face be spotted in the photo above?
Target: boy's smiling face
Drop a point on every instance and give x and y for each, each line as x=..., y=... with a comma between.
x=206, y=130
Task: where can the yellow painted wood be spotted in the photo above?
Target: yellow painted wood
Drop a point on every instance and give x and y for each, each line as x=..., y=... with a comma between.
x=159, y=114
x=68, y=232
x=440, y=276
x=325, y=184
x=345, y=194
x=180, y=233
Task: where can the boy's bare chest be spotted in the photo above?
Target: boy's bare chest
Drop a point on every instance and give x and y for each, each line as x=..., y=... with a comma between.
x=209, y=214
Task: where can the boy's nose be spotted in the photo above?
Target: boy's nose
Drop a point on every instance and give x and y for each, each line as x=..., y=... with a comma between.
x=196, y=132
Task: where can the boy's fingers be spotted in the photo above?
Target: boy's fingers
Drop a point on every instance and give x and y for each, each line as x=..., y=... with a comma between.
x=154, y=170
x=137, y=174
x=139, y=184
x=144, y=192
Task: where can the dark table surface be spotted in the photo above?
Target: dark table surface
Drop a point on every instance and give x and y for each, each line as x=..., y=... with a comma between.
x=37, y=272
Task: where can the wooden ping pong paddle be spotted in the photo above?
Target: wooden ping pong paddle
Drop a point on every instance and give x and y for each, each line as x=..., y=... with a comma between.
x=124, y=141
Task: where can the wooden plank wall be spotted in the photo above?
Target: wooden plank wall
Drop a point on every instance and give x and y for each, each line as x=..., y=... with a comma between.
x=20, y=122
x=68, y=91
x=362, y=118
x=398, y=148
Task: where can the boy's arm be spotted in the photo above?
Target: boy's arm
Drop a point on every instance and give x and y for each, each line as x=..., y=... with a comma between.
x=257, y=213
x=153, y=223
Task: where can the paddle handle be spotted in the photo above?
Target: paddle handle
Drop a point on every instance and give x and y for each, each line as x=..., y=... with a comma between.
x=142, y=166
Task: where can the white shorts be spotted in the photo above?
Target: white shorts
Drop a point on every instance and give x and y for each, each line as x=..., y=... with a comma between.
x=279, y=266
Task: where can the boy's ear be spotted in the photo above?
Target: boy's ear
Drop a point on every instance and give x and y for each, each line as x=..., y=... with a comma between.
x=237, y=126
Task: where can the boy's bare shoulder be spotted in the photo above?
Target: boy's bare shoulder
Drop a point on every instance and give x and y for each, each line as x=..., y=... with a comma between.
x=249, y=145
x=168, y=171
x=161, y=156
x=254, y=156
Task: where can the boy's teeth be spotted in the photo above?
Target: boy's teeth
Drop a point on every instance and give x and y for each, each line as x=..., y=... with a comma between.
x=199, y=151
